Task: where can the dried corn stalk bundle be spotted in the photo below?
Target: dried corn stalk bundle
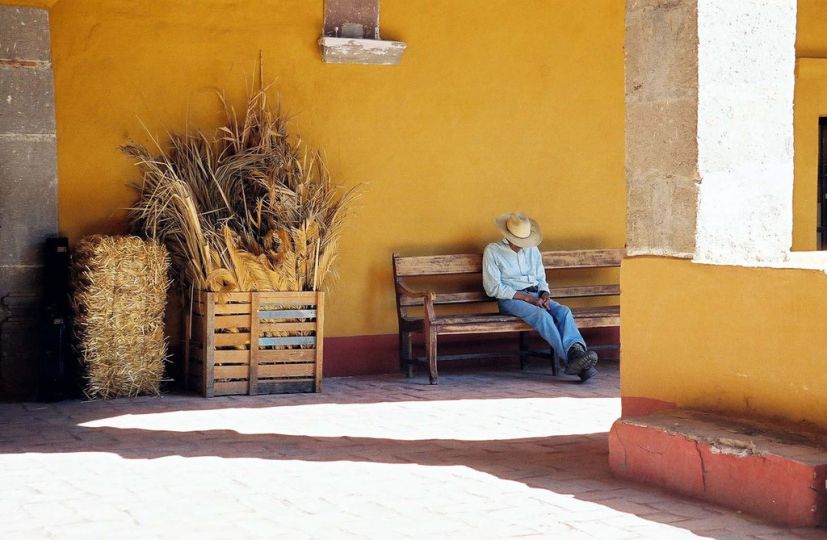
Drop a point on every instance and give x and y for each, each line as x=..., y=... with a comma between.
x=120, y=291
x=245, y=210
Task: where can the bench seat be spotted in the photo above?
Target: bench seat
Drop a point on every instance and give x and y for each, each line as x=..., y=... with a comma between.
x=587, y=317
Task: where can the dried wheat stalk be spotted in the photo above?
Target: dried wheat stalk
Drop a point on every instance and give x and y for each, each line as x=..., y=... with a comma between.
x=247, y=210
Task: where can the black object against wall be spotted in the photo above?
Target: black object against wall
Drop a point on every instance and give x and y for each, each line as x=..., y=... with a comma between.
x=58, y=368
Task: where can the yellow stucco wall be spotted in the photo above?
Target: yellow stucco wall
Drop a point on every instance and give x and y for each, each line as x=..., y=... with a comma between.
x=810, y=104
x=725, y=338
x=810, y=39
x=496, y=107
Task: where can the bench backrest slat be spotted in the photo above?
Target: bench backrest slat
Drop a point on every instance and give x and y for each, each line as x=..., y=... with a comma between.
x=480, y=296
x=437, y=265
x=471, y=263
x=592, y=258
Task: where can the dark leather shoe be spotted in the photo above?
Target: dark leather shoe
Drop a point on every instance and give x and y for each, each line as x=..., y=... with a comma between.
x=587, y=374
x=579, y=360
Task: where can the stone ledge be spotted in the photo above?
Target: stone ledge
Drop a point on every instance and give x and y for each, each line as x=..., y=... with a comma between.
x=361, y=51
x=773, y=470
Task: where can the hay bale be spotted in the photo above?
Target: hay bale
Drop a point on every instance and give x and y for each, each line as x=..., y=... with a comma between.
x=120, y=292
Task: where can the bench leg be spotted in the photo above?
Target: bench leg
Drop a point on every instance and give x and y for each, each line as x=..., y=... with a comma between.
x=555, y=364
x=405, y=351
x=431, y=345
x=523, y=350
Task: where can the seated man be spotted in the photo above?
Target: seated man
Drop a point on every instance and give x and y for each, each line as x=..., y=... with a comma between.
x=513, y=273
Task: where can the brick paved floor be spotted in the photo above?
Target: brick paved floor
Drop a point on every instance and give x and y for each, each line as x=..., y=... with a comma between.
x=486, y=454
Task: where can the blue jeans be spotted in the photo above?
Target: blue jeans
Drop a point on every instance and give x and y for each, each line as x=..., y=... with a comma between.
x=555, y=324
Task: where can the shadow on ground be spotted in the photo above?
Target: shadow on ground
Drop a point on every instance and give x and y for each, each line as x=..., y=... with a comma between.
x=565, y=464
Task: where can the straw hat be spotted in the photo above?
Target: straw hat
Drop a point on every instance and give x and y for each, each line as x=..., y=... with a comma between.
x=519, y=229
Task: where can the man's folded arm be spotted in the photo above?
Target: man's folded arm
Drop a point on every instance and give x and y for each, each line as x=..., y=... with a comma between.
x=492, y=279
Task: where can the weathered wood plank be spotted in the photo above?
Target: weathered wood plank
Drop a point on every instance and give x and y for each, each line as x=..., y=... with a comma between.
x=476, y=318
x=277, y=371
x=482, y=328
x=231, y=357
x=580, y=313
x=229, y=340
x=232, y=372
x=480, y=296
x=590, y=258
x=469, y=297
x=232, y=309
x=599, y=322
x=232, y=321
x=229, y=388
x=435, y=265
x=254, y=350
x=208, y=297
x=208, y=333
x=471, y=263
x=585, y=291
x=317, y=375
x=494, y=318
x=596, y=311
x=243, y=297
x=287, y=355
x=592, y=317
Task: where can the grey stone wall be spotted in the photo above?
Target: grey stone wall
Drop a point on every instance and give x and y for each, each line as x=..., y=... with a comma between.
x=28, y=187
x=661, y=46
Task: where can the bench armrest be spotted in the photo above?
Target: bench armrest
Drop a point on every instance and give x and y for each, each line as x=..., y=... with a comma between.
x=404, y=290
x=427, y=297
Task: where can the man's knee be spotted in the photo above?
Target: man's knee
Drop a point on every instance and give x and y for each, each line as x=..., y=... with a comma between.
x=542, y=316
x=560, y=310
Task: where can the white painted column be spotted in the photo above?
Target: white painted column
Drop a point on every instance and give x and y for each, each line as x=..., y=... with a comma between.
x=746, y=67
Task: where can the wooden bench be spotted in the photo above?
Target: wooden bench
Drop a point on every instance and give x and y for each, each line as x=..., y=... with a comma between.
x=417, y=310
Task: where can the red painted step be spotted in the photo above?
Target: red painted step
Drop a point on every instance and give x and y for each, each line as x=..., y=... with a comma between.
x=773, y=470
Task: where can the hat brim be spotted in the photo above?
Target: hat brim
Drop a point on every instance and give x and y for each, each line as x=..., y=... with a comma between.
x=533, y=239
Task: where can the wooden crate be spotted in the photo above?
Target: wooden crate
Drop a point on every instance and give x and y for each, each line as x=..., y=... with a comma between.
x=255, y=343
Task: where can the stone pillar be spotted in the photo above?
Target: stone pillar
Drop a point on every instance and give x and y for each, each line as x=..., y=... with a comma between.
x=709, y=163
x=661, y=126
x=28, y=187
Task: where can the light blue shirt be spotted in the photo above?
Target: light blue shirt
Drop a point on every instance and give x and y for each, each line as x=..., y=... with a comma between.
x=505, y=271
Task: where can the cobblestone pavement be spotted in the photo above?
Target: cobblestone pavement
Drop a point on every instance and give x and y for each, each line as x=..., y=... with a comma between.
x=485, y=454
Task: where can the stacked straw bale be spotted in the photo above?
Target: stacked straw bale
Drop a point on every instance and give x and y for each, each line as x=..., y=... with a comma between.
x=120, y=292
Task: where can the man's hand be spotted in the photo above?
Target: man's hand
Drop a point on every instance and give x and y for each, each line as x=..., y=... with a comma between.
x=544, y=301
